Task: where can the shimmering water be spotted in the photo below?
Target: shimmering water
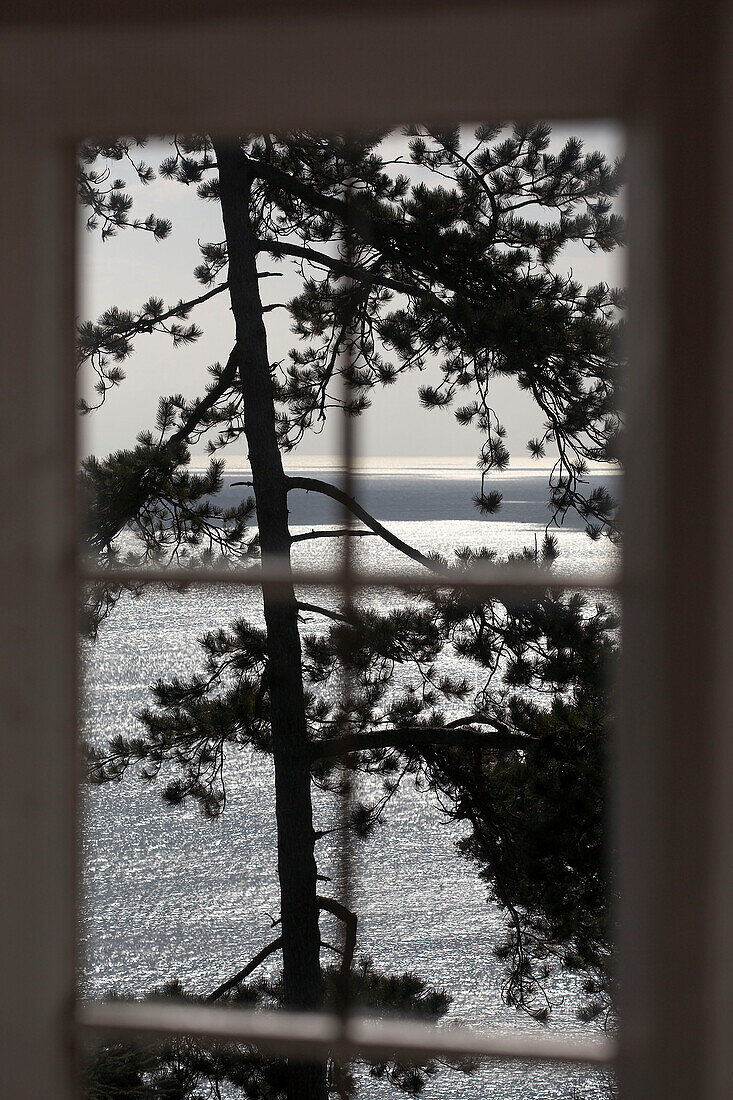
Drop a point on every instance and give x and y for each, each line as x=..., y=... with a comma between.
x=171, y=895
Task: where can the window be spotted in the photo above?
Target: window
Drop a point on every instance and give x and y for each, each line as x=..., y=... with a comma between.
x=672, y=806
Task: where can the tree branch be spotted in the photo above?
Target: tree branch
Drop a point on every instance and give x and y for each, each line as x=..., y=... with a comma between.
x=500, y=740
x=335, y=615
x=391, y=236
x=360, y=222
x=246, y=970
x=190, y=304
x=338, y=533
x=147, y=324
x=364, y=275
x=330, y=905
x=104, y=536
x=202, y=407
x=315, y=485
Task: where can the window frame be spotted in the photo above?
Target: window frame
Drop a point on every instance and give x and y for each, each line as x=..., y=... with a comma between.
x=660, y=69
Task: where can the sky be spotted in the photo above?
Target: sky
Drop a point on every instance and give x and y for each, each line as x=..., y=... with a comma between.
x=128, y=269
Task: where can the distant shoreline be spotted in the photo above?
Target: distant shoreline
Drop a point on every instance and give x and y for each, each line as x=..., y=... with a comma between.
x=417, y=465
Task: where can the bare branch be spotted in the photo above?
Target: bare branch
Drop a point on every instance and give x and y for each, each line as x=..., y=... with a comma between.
x=338, y=533
x=317, y=610
x=330, y=905
x=315, y=485
x=246, y=970
x=500, y=740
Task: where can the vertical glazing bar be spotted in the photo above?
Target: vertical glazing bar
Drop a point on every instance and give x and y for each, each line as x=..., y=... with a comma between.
x=721, y=1061
x=37, y=596
x=675, y=669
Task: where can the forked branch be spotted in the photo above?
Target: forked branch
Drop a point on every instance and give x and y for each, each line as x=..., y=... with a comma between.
x=315, y=485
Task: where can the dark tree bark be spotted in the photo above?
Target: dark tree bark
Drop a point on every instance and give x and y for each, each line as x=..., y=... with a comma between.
x=302, y=978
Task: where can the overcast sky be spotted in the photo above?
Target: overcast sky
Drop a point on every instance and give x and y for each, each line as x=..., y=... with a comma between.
x=128, y=269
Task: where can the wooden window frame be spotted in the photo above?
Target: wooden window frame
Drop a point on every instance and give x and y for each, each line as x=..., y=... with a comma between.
x=662, y=70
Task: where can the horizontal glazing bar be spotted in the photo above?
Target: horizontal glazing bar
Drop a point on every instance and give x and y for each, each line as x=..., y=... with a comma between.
x=496, y=580
x=316, y=1036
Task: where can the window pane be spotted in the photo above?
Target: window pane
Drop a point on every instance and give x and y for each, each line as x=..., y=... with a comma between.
x=166, y=896
x=451, y=291
x=483, y=855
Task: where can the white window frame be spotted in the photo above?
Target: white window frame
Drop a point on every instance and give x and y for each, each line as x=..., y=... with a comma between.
x=663, y=71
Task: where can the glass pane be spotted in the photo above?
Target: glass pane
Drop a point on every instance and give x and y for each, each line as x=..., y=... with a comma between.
x=453, y=292
x=482, y=858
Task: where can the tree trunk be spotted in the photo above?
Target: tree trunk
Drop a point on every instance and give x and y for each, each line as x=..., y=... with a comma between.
x=302, y=978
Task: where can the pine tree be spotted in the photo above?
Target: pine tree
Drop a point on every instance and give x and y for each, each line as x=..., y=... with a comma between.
x=454, y=265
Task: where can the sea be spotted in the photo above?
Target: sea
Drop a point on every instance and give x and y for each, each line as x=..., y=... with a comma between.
x=169, y=894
